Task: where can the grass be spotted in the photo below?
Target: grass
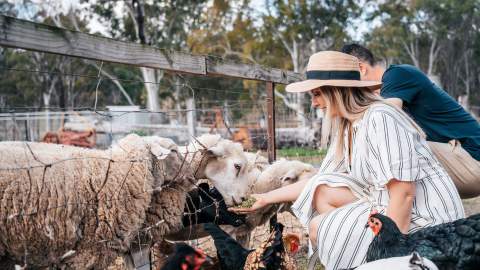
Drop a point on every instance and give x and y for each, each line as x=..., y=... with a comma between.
x=301, y=152
x=308, y=155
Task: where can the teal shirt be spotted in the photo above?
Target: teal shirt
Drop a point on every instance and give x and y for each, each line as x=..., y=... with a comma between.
x=437, y=113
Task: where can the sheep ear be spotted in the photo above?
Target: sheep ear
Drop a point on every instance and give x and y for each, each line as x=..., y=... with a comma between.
x=291, y=175
x=216, y=151
x=257, y=155
x=163, y=142
x=159, y=152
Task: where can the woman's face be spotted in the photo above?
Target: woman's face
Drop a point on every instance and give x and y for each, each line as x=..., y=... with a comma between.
x=317, y=99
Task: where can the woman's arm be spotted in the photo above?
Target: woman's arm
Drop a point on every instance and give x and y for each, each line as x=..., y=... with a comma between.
x=402, y=195
x=288, y=193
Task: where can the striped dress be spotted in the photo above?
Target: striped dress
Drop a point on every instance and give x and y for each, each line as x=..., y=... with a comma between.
x=385, y=145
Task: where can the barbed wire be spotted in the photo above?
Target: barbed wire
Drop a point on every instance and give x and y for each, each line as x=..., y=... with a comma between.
x=240, y=90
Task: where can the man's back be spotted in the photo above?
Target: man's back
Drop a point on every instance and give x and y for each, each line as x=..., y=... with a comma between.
x=439, y=115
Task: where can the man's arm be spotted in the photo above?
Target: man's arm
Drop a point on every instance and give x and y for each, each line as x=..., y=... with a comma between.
x=395, y=102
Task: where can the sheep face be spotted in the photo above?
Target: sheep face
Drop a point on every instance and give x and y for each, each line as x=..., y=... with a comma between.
x=229, y=171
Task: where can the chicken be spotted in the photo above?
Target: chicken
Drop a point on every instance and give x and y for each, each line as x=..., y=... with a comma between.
x=271, y=254
x=206, y=205
x=453, y=245
x=185, y=257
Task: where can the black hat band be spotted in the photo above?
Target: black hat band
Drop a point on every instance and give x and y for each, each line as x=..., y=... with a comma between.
x=333, y=75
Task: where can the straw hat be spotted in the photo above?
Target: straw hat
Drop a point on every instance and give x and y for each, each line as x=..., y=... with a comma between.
x=330, y=68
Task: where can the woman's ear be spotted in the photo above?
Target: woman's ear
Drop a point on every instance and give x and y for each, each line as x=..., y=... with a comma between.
x=363, y=69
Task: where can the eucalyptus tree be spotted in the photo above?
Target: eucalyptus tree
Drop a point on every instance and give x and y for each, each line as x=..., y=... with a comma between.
x=303, y=27
x=164, y=24
x=438, y=36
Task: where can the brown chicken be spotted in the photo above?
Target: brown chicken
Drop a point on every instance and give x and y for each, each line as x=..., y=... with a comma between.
x=274, y=253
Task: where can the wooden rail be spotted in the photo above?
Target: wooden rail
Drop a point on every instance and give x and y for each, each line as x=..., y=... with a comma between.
x=28, y=35
x=17, y=33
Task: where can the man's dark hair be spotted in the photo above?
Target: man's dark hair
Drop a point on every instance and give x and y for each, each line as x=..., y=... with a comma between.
x=362, y=53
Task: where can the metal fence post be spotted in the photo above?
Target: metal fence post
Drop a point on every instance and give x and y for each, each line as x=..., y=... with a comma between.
x=271, y=122
x=271, y=133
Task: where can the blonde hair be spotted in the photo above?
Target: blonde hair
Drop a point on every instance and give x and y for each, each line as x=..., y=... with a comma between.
x=344, y=106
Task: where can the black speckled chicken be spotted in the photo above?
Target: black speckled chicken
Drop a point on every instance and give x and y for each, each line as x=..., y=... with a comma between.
x=206, y=205
x=453, y=245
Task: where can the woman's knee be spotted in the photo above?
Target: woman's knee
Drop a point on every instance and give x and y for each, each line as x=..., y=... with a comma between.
x=320, y=197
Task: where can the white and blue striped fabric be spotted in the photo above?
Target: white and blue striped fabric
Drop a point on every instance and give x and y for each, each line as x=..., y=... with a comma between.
x=385, y=146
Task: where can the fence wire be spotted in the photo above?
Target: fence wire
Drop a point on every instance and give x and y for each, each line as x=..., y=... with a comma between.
x=241, y=120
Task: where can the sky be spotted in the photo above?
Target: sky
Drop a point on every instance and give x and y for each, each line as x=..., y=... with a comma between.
x=356, y=30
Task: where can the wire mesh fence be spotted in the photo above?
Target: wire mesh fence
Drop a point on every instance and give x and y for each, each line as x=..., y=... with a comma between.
x=99, y=121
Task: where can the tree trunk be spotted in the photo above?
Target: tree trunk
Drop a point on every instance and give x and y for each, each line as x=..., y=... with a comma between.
x=62, y=96
x=467, y=79
x=191, y=117
x=299, y=98
x=47, y=96
x=152, y=89
x=46, y=105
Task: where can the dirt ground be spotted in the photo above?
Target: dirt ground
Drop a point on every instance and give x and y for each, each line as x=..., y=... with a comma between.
x=472, y=206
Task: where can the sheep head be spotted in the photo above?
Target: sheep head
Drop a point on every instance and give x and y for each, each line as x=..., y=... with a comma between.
x=167, y=163
x=281, y=173
x=221, y=161
x=228, y=169
x=169, y=167
x=296, y=169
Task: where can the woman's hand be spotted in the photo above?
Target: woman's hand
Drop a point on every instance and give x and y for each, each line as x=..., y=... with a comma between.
x=260, y=202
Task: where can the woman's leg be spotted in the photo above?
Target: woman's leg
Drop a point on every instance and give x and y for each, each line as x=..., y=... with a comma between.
x=326, y=199
x=313, y=229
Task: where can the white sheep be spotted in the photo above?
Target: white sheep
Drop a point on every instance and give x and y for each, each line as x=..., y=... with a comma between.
x=69, y=207
x=280, y=173
x=235, y=173
x=224, y=163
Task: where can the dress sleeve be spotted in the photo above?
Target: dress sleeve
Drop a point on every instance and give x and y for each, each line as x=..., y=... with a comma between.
x=399, y=83
x=330, y=163
x=392, y=143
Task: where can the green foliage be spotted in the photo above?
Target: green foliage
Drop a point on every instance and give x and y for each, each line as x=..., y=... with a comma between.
x=140, y=132
x=440, y=36
x=300, y=152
